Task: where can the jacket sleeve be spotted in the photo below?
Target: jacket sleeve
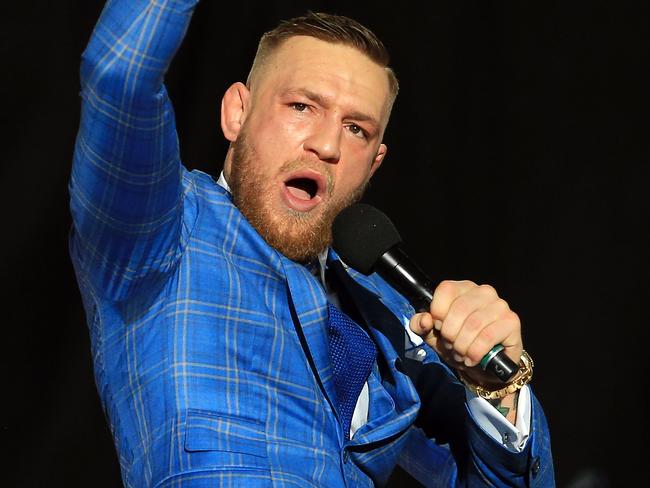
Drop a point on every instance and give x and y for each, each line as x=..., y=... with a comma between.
x=448, y=448
x=125, y=186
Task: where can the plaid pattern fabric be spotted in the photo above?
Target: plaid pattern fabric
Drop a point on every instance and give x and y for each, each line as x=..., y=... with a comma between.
x=209, y=347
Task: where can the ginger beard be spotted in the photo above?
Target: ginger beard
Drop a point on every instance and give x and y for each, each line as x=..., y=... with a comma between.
x=300, y=236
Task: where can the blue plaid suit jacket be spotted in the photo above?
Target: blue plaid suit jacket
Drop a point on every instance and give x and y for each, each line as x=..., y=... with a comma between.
x=209, y=346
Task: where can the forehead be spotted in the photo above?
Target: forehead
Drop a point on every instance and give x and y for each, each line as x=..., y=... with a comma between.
x=336, y=71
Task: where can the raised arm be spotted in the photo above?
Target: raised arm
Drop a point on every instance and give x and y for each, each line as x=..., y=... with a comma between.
x=126, y=198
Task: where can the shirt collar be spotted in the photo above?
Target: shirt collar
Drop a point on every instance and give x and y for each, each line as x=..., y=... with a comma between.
x=223, y=183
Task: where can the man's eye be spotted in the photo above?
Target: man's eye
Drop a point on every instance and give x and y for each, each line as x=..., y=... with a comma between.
x=357, y=131
x=300, y=107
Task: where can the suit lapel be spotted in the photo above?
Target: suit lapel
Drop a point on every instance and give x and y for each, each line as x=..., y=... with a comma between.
x=309, y=310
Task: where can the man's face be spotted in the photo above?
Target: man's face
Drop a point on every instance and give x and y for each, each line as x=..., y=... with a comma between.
x=310, y=139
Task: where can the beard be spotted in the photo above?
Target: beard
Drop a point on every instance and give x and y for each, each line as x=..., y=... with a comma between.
x=300, y=236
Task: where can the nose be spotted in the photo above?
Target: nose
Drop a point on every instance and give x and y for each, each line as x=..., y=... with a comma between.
x=325, y=141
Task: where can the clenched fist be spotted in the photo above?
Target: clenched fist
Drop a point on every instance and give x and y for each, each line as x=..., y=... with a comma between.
x=464, y=322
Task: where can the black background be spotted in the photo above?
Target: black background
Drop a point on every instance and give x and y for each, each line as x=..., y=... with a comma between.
x=518, y=153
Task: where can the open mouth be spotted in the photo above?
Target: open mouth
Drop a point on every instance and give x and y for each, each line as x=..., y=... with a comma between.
x=304, y=189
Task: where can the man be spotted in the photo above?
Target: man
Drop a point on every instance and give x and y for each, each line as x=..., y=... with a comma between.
x=216, y=335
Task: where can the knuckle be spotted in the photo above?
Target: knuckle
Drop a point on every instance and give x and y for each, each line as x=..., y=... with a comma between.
x=442, y=298
x=513, y=317
x=473, y=323
x=447, y=289
x=488, y=290
x=462, y=306
x=448, y=333
x=486, y=337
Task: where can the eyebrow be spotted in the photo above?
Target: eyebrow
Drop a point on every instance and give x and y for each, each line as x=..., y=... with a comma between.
x=321, y=100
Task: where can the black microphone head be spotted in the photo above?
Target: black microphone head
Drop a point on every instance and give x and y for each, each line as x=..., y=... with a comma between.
x=361, y=235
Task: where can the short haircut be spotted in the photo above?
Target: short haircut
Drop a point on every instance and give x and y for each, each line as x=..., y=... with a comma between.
x=335, y=29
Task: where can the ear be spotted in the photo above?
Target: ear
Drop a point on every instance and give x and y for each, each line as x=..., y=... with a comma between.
x=379, y=157
x=234, y=108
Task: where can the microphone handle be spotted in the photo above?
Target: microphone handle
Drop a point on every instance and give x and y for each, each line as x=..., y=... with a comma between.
x=402, y=273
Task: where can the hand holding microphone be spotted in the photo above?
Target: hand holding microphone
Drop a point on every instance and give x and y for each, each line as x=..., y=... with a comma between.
x=467, y=324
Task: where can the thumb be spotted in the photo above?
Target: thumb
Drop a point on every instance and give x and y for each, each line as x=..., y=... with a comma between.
x=422, y=324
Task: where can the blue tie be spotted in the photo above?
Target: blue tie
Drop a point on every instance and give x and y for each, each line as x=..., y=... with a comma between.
x=353, y=354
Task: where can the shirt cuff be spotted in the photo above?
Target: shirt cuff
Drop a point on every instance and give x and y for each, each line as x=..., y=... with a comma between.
x=493, y=423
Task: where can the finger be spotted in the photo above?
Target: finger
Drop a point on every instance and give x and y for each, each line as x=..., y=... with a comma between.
x=446, y=353
x=505, y=331
x=421, y=324
x=463, y=306
x=445, y=294
x=477, y=321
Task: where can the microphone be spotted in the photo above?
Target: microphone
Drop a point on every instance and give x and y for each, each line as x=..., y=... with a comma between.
x=366, y=239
